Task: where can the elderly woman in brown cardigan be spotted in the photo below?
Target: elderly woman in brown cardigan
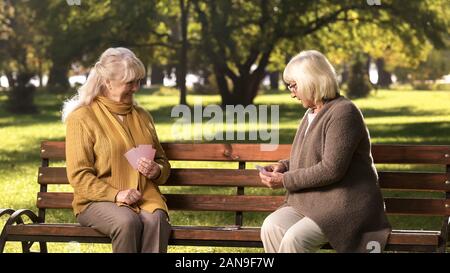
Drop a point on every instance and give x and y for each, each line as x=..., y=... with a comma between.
x=330, y=179
x=103, y=123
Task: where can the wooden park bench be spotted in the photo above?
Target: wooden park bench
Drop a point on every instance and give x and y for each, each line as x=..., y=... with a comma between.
x=240, y=203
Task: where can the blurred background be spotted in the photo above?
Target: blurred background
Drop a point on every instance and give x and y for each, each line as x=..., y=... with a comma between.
x=391, y=57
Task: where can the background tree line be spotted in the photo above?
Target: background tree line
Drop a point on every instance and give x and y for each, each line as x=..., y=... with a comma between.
x=231, y=44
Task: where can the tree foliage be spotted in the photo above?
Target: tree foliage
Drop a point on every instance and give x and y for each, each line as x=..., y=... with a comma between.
x=239, y=37
x=18, y=54
x=237, y=41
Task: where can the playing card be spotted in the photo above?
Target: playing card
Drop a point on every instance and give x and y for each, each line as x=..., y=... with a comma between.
x=133, y=156
x=146, y=151
x=262, y=170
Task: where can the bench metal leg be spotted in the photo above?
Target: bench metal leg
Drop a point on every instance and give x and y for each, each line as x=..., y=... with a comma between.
x=444, y=236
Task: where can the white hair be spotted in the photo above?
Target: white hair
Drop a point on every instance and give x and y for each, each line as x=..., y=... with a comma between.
x=314, y=75
x=119, y=64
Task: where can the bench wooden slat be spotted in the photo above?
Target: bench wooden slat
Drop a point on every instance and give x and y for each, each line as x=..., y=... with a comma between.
x=52, y=175
x=250, y=178
x=53, y=150
x=416, y=206
x=194, y=152
x=195, y=202
x=199, y=202
x=214, y=177
x=414, y=154
x=54, y=200
x=218, y=152
x=178, y=177
x=203, y=233
x=426, y=181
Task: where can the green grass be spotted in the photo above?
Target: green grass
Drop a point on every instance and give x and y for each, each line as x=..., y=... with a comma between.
x=392, y=117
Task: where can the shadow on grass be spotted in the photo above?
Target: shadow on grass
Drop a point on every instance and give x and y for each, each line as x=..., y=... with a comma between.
x=426, y=132
x=30, y=153
x=395, y=112
x=49, y=107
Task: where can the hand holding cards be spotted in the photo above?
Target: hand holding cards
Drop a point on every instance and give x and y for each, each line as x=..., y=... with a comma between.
x=271, y=179
x=133, y=155
x=262, y=170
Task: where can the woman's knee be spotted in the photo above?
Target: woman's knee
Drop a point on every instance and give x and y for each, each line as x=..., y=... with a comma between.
x=268, y=226
x=157, y=218
x=295, y=242
x=129, y=222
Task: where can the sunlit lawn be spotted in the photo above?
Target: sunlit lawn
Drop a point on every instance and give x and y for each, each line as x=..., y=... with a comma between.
x=392, y=117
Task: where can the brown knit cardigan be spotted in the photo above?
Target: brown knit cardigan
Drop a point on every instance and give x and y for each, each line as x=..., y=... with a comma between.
x=331, y=178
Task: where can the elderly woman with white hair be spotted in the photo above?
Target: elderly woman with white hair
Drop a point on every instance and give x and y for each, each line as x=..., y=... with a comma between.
x=330, y=178
x=103, y=123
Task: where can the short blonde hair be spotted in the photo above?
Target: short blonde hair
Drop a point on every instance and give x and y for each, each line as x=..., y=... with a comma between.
x=314, y=75
x=118, y=64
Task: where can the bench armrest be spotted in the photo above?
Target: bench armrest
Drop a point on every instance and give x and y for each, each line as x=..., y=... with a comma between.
x=6, y=212
x=16, y=217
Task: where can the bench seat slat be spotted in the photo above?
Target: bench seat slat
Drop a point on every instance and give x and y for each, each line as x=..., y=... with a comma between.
x=250, y=178
x=414, y=154
x=246, y=234
x=251, y=203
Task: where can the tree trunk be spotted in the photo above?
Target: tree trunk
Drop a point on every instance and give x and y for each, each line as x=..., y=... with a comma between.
x=359, y=85
x=274, y=80
x=345, y=73
x=157, y=75
x=204, y=75
x=245, y=85
x=384, y=77
x=224, y=90
x=11, y=80
x=40, y=73
x=21, y=97
x=244, y=90
x=58, y=80
x=182, y=65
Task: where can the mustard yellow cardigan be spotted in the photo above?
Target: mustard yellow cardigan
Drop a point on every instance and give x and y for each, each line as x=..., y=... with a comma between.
x=88, y=162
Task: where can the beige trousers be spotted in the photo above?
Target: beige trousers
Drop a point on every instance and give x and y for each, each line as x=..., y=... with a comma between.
x=287, y=231
x=130, y=232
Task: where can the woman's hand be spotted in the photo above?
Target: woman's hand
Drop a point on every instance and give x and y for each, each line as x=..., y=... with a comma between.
x=272, y=180
x=277, y=167
x=149, y=168
x=129, y=197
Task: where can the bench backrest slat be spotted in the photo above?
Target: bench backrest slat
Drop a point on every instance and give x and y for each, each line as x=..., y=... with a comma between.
x=249, y=178
x=414, y=154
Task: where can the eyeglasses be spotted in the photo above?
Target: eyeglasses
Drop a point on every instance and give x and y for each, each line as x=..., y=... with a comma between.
x=291, y=86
